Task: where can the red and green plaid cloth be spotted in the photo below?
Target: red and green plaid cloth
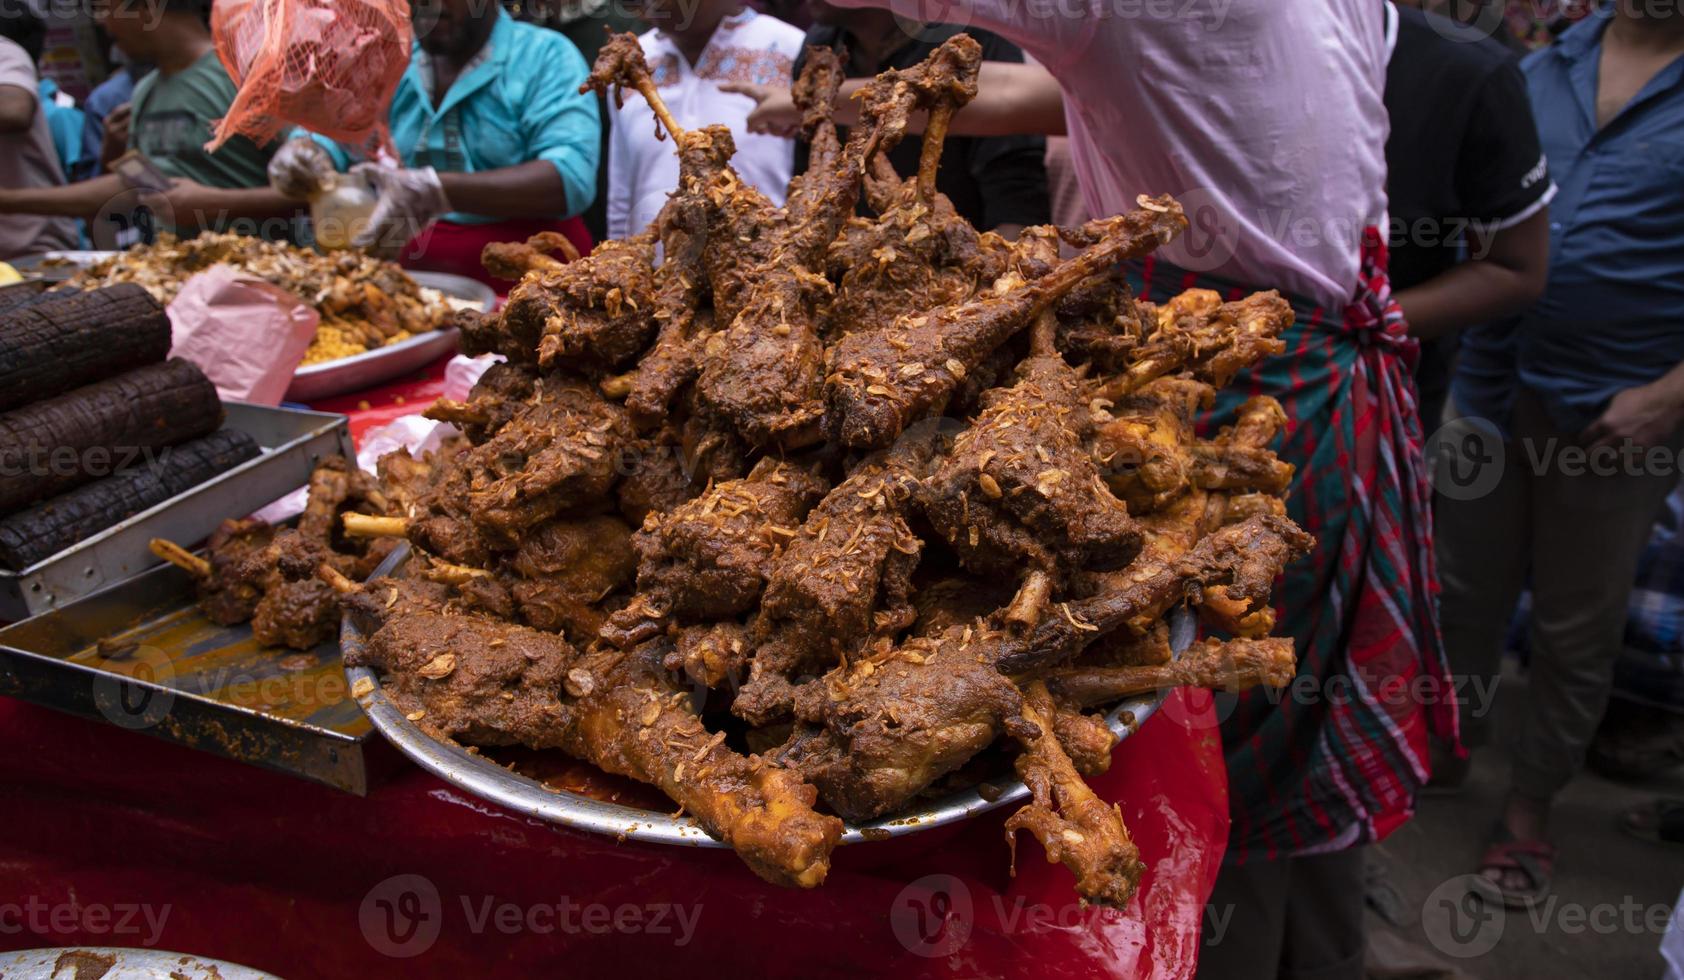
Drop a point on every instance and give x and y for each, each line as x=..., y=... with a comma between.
x=1337, y=759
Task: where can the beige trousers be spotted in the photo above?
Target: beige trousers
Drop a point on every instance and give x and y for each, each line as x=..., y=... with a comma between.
x=1578, y=522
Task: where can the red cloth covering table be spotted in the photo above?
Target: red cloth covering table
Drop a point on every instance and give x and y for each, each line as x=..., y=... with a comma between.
x=103, y=827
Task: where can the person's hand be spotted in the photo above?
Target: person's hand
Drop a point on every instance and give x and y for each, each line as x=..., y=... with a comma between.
x=408, y=201
x=775, y=112
x=115, y=140
x=187, y=204
x=300, y=168
x=1649, y=415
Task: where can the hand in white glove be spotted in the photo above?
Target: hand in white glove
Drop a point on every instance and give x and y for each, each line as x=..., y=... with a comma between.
x=300, y=168
x=408, y=201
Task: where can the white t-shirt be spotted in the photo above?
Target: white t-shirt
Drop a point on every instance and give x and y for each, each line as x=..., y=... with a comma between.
x=28, y=159
x=642, y=171
x=1263, y=117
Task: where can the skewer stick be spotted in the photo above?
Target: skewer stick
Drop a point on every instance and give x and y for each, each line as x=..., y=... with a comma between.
x=448, y=574
x=334, y=577
x=368, y=526
x=180, y=557
x=446, y=410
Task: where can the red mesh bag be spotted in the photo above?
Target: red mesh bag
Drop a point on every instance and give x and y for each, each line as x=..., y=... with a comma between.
x=330, y=66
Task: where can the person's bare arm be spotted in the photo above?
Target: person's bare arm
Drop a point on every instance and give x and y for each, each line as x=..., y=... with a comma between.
x=17, y=109
x=1012, y=100
x=189, y=204
x=81, y=200
x=1506, y=273
x=525, y=190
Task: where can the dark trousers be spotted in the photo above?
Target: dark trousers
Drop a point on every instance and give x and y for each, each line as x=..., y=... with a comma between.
x=1292, y=919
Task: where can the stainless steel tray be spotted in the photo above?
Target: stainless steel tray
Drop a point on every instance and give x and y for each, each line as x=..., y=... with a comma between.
x=360, y=371
x=293, y=443
x=486, y=779
x=141, y=656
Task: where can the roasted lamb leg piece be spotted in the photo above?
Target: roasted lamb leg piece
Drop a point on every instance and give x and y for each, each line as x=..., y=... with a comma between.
x=764, y=370
x=1238, y=460
x=845, y=578
x=1245, y=558
x=740, y=222
x=1199, y=333
x=486, y=682
x=634, y=721
x=709, y=559
x=590, y=314
x=557, y=454
x=471, y=678
x=883, y=380
x=1020, y=492
x=229, y=583
x=1234, y=665
x=563, y=571
x=880, y=729
x=1074, y=825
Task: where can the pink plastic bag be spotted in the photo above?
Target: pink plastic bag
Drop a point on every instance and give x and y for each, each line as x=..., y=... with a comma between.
x=245, y=334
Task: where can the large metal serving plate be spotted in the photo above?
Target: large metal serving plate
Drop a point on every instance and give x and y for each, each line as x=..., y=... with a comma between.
x=293, y=442
x=486, y=779
x=167, y=671
x=360, y=371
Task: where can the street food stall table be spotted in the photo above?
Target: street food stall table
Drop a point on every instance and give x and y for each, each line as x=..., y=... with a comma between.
x=114, y=838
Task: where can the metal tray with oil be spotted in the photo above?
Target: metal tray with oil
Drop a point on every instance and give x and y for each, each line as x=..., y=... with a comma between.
x=141, y=656
x=293, y=442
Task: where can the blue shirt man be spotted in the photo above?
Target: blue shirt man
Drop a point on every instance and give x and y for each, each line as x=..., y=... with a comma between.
x=1612, y=318
x=516, y=100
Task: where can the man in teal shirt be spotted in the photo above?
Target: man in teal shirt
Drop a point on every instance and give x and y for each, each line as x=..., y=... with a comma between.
x=496, y=141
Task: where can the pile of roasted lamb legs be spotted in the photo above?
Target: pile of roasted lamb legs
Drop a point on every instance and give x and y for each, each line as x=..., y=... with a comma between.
x=793, y=511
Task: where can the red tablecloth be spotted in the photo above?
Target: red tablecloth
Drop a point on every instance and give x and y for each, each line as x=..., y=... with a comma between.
x=114, y=838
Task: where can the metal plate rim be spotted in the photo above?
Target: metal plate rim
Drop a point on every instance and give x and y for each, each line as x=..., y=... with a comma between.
x=487, y=780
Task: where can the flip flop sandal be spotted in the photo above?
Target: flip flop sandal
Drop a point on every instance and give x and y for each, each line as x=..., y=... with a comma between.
x=1635, y=760
x=1658, y=822
x=1534, y=859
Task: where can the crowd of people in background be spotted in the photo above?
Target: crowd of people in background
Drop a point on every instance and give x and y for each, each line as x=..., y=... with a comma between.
x=1512, y=273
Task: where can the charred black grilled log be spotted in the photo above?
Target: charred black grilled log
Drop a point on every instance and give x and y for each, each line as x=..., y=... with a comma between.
x=51, y=526
x=61, y=443
x=58, y=343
